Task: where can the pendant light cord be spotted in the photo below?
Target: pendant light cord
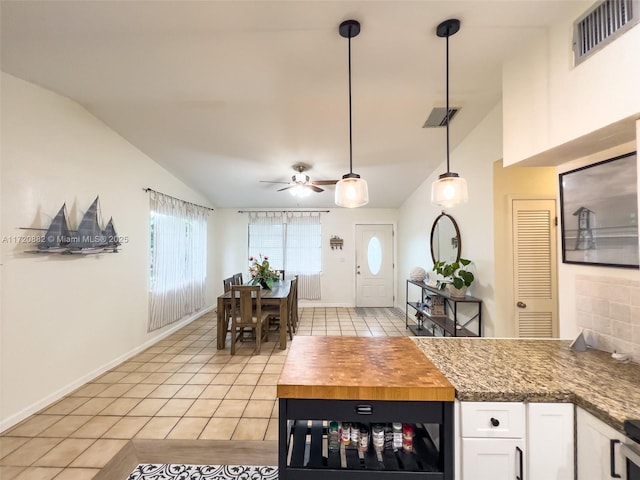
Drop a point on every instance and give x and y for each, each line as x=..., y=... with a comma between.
x=447, y=101
x=350, y=134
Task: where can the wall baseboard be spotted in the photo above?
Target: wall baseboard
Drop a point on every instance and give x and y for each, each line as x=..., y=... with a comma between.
x=57, y=395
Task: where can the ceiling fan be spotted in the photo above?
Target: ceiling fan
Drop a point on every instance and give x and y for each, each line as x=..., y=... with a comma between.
x=300, y=184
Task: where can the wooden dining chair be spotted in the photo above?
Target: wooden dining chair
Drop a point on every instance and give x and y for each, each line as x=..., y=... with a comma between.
x=294, y=304
x=226, y=283
x=274, y=312
x=237, y=279
x=246, y=313
x=281, y=273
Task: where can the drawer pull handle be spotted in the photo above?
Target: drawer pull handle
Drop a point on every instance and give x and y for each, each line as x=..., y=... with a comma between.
x=495, y=422
x=612, y=458
x=364, y=409
x=520, y=463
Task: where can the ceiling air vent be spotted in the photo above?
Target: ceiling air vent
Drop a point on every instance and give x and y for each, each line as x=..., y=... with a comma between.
x=601, y=24
x=438, y=117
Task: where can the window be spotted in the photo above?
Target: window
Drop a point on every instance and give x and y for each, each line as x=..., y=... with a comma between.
x=293, y=243
x=178, y=247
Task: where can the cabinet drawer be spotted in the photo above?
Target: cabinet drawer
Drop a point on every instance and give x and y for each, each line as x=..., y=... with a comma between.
x=365, y=411
x=492, y=419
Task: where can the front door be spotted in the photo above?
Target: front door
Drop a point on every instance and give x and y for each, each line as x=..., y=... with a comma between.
x=374, y=266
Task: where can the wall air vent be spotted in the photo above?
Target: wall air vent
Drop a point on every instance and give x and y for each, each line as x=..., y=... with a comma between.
x=601, y=24
x=438, y=117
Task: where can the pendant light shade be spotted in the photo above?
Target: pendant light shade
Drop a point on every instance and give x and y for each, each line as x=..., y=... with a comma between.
x=450, y=189
x=351, y=191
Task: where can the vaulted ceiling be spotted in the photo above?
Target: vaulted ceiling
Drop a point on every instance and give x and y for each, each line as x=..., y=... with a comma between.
x=224, y=94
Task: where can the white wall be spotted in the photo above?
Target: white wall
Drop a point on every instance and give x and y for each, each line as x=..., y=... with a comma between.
x=473, y=159
x=67, y=318
x=548, y=102
x=338, y=266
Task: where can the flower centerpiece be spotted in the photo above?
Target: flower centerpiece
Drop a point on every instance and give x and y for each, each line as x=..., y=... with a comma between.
x=261, y=273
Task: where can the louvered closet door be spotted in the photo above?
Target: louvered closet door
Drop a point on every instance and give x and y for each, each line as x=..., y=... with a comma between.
x=534, y=261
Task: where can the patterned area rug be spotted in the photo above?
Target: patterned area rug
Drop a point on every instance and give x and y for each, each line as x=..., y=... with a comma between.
x=153, y=471
x=379, y=312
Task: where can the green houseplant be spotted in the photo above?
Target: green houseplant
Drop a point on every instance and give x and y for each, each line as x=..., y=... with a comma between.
x=455, y=275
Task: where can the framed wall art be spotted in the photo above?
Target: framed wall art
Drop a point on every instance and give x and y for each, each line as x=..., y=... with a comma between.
x=599, y=210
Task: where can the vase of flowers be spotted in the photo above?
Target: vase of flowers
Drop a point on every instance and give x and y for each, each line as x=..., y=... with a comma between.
x=261, y=273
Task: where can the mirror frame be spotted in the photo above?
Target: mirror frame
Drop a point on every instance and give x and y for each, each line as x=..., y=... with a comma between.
x=433, y=229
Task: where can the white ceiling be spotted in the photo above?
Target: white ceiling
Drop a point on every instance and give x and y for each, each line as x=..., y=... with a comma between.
x=227, y=93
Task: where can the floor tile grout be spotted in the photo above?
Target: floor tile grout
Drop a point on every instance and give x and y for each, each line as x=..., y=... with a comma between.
x=177, y=374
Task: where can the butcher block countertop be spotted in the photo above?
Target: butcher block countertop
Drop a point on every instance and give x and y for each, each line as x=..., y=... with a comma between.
x=361, y=368
x=504, y=370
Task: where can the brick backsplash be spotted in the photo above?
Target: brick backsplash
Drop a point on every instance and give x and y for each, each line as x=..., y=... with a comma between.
x=608, y=309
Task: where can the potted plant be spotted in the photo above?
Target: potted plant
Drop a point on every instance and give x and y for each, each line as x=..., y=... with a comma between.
x=455, y=275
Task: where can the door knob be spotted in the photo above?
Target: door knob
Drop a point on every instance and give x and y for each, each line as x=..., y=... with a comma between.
x=521, y=305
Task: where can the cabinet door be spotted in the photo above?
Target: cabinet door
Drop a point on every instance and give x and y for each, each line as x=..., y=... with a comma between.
x=550, y=445
x=594, y=449
x=492, y=458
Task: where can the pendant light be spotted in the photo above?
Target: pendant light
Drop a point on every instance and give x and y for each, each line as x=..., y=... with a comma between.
x=450, y=189
x=352, y=190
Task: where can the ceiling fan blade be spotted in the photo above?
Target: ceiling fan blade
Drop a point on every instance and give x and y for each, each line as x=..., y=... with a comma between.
x=324, y=182
x=314, y=188
x=268, y=181
x=286, y=188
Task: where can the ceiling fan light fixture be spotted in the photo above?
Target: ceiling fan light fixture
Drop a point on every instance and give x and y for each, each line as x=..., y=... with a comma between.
x=351, y=191
x=300, y=191
x=450, y=189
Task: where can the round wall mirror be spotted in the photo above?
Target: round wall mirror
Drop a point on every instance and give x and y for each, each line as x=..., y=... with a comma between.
x=445, y=239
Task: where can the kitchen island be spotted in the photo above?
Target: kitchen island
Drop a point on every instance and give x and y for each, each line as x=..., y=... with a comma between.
x=370, y=382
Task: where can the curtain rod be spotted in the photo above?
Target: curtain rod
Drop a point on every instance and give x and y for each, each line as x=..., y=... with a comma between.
x=283, y=211
x=176, y=198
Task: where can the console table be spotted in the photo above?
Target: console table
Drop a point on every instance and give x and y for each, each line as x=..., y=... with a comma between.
x=438, y=313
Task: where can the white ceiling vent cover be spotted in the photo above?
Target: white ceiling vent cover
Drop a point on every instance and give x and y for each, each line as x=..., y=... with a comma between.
x=601, y=24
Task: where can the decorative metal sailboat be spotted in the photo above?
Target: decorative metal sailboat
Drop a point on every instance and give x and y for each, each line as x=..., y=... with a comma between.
x=89, y=238
x=111, y=237
x=57, y=237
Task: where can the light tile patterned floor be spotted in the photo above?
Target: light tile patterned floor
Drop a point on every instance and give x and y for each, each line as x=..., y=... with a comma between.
x=180, y=388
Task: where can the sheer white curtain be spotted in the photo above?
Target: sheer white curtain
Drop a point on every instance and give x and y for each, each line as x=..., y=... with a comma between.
x=266, y=237
x=293, y=242
x=303, y=255
x=178, y=259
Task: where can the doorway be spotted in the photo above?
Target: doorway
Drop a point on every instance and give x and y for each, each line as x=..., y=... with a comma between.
x=374, y=266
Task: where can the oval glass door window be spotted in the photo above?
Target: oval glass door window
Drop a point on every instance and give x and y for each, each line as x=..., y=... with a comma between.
x=374, y=255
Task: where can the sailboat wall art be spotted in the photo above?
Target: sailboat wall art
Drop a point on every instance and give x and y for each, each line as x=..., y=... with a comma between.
x=89, y=238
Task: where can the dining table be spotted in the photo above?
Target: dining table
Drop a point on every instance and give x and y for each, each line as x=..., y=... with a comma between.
x=277, y=295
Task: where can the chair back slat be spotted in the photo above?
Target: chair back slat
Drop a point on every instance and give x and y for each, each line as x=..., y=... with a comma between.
x=226, y=283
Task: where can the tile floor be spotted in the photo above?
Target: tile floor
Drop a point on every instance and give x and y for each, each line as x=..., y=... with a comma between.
x=180, y=388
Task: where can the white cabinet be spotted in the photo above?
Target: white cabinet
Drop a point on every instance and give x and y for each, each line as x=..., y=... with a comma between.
x=550, y=441
x=597, y=444
x=512, y=441
x=492, y=459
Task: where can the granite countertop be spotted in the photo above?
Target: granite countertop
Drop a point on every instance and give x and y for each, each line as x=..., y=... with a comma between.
x=516, y=370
